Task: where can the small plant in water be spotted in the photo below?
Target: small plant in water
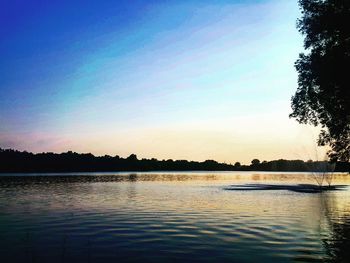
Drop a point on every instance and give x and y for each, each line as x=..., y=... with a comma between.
x=329, y=174
x=321, y=171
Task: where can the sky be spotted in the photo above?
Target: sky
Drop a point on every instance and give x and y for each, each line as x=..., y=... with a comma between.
x=192, y=80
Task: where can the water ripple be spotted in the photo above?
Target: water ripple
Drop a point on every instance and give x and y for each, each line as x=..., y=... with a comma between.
x=166, y=218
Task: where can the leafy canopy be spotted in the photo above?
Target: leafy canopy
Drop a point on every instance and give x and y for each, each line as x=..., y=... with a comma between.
x=323, y=93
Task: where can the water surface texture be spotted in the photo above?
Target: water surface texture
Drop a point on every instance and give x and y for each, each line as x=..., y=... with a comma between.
x=171, y=217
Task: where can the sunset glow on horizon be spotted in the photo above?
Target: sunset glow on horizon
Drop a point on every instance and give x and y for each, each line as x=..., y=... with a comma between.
x=191, y=80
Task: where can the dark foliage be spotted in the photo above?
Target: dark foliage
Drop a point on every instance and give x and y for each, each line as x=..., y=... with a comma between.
x=323, y=94
x=255, y=162
x=12, y=161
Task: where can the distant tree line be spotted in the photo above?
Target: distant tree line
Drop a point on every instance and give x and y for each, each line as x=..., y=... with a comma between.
x=12, y=161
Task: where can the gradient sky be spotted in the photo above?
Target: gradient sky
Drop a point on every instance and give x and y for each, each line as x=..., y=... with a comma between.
x=190, y=80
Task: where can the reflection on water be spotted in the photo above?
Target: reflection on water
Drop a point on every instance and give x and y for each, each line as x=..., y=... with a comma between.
x=337, y=214
x=158, y=217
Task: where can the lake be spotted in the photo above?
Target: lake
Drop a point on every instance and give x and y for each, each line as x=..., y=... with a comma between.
x=171, y=217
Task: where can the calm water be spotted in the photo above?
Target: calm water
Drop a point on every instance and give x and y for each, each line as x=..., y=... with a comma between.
x=164, y=217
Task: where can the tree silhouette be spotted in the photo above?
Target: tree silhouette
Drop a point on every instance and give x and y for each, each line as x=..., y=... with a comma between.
x=323, y=93
x=255, y=162
x=132, y=157
x=12, y=161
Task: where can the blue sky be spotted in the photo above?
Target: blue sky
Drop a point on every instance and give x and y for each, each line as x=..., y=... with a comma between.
x=167, y=79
